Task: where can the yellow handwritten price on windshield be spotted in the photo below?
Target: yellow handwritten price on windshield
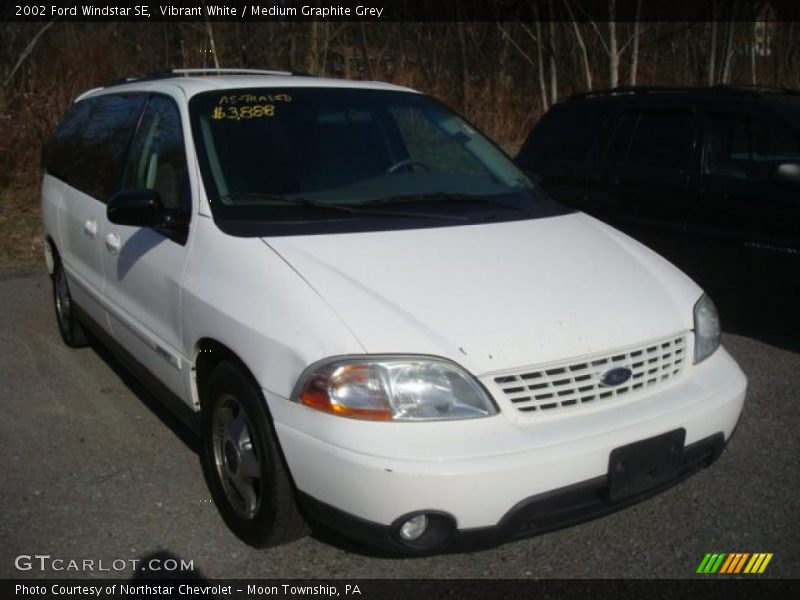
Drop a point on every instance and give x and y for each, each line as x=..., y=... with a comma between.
x=238, y=113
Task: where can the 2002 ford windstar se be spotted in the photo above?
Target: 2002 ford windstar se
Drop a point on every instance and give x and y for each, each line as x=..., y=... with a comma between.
x=378, y=319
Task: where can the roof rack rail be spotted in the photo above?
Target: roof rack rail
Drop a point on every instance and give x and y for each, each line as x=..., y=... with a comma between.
x=215, y=71
x=636, y=90
x=199, y=72
x=755, y=89
x=642, y=90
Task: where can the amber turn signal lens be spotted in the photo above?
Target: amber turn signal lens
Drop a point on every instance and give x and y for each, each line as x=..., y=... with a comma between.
x=317, y=394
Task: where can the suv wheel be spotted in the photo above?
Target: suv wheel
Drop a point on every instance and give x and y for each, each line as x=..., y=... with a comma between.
x=71, y=330
x=242, y=463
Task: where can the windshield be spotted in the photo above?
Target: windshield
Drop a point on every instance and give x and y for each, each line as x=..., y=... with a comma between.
x=349, y=159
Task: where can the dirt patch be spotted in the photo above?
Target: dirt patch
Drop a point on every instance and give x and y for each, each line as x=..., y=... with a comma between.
x=21, y=241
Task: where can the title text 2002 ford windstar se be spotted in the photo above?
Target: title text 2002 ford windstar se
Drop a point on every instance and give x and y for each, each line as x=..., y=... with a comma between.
x=376, y=316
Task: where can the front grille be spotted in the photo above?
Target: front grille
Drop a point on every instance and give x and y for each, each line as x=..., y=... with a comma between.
x=570, y=384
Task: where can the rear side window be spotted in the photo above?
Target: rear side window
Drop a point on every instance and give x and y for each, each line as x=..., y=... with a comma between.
x=88, y=147
x=61, y=153
x=566, y=133
x=743, y=146
x=658, y=139
x=105, y=141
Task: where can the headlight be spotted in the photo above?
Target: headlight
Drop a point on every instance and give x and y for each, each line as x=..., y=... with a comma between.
x=706, y=329
x=393, y=388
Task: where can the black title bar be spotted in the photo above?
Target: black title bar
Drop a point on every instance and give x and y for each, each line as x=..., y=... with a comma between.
x=400, y=10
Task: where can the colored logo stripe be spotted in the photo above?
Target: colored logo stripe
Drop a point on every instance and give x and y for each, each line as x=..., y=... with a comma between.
x=734, y=562
x=711, y=563
x=758, y=563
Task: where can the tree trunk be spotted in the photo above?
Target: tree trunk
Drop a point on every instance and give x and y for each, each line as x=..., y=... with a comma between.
x=613, y=53
x=552, y=56
x=712, y=56
x=753, y=77
x=587, y=68
x=635, y=47
x=211, y=43
x=26, y=52
x=729, y=50
x=365, y=53
x=464, y=65
x=540, y=63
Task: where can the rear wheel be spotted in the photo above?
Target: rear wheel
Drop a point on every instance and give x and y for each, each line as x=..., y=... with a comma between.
x=71, y=330
x=242, y=463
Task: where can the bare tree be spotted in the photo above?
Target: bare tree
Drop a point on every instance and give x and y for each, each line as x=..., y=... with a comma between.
x=539, y=64
x=587, y=69
x=613, y=49
x=212, y=44
x=26, y=52
x=365, y=52
x=551, y=54
x=727, y=59
x=712, y=55
x=463, y=63
x=753, y=41
x=613, y=53
x=635, y=47
x=540, y=60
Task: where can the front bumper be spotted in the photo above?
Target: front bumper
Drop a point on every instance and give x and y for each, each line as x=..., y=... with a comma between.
x=498, y=476
x=532, y=516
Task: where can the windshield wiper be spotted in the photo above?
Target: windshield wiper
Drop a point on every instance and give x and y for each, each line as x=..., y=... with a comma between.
x=439, y=196
x=347, y=208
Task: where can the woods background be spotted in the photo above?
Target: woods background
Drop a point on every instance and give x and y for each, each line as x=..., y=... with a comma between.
x=502, y=76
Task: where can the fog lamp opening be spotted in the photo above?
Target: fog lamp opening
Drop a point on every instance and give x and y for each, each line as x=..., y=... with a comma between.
x=414, y=527
x=424, y=531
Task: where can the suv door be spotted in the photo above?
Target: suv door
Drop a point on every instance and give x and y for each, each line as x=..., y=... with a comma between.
x=86, y=155
x=144, y=266
x=649, y=169
x=755, y=218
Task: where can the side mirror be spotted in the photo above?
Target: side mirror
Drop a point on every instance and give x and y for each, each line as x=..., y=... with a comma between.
x=137, y=207
x=787, y=173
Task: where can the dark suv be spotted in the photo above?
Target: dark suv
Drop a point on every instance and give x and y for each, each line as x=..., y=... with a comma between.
x=707, y=177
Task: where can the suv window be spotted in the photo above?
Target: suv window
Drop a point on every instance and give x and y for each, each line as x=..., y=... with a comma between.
x=566, y=133
x=654, y=138
x=742, y=146
x=157, y=159
x=105, y=141
x=62, y=154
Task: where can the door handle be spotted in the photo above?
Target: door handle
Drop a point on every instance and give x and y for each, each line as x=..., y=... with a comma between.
x=112, y=243
x=90, y=228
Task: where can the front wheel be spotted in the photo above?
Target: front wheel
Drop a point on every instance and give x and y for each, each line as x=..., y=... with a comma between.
x=71, y=330
x=242, y=463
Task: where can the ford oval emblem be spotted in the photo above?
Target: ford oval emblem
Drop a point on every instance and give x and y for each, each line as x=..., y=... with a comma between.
x=616, y=376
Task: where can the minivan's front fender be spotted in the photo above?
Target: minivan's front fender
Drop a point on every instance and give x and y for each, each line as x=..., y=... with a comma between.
x=239, y=292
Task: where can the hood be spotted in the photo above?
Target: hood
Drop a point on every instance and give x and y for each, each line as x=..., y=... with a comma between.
x=495, y=296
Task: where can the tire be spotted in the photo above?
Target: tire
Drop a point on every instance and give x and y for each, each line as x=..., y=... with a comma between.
x=242, y=463
x=71, y=330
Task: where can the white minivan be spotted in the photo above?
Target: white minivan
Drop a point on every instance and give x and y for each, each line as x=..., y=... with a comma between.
x=377, y=322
